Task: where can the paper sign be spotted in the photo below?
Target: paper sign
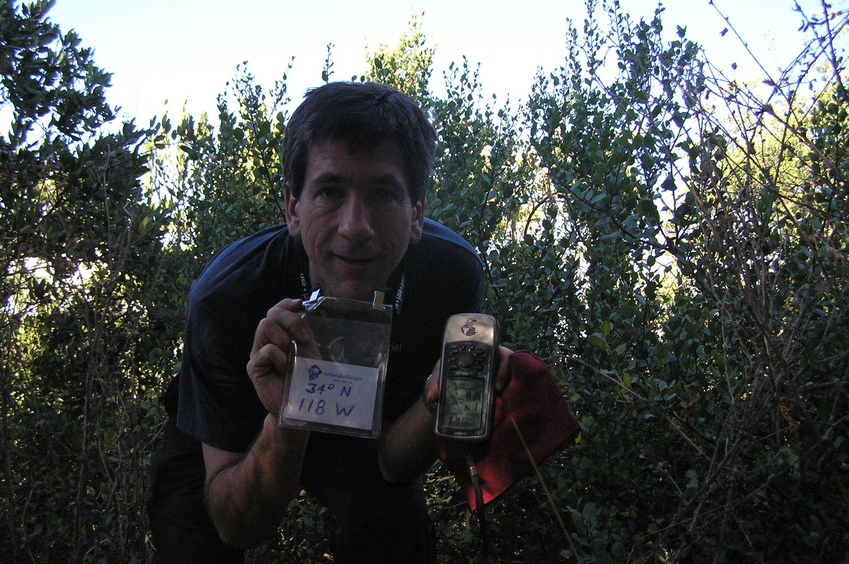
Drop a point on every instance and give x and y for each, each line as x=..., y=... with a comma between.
x=332, y=393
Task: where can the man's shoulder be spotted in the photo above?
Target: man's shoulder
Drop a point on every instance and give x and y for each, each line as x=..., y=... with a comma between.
x=444, y=258
x=435, y=233
x=251, y=261
x=444, y=244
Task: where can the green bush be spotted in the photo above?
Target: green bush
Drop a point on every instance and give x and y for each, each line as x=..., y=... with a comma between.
x=673, y=243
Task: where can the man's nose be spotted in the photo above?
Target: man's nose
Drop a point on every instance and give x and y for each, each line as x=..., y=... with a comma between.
x=355, y=223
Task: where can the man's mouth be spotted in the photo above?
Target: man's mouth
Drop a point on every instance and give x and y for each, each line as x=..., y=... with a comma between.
x=353, y=261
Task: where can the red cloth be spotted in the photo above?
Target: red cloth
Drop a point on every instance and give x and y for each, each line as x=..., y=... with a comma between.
x=532, y=400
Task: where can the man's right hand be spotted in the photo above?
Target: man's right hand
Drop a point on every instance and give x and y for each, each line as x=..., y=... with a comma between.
x=284, y=324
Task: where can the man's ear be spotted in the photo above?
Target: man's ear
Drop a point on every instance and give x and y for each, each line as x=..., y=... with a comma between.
x=417, y=224
x=292, y=219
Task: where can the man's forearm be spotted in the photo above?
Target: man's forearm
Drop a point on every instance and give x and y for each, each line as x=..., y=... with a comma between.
x=247, y=499
x=408, y=447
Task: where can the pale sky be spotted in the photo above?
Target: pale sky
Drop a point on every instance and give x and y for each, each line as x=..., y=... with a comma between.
x=188, y=49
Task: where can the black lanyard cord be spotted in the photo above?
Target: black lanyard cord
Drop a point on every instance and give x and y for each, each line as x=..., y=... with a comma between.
x=483, y=542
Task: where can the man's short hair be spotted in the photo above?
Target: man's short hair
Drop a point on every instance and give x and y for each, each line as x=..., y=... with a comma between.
x=363, y=115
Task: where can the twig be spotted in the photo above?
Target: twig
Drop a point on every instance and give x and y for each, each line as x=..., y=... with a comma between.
x=547, y=493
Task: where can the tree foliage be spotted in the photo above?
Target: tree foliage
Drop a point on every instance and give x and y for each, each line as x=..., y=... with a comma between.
x=407, y=66
x=673, y=242
x=80, y=339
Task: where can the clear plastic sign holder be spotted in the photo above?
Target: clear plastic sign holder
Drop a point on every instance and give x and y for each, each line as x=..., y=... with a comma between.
x=335, y=382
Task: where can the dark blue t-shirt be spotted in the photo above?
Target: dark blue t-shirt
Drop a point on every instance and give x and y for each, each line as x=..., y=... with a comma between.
x=438, y=276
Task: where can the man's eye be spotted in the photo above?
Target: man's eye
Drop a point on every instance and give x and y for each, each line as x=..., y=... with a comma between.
x=329, y=193
x=383, y=196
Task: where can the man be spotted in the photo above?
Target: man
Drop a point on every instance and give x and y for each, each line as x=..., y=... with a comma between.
x=357, y=159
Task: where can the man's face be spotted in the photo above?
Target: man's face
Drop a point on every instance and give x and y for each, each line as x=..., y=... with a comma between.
x=354, y=216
